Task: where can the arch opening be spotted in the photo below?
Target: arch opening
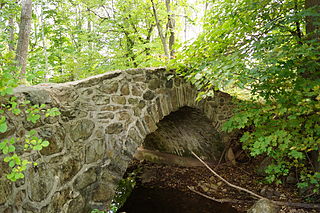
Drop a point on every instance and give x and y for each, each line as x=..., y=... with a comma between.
x=184, y=131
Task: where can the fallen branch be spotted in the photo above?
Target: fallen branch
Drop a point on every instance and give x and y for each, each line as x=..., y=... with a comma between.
x=214, y=199
x=279, y=203
x=224, y=180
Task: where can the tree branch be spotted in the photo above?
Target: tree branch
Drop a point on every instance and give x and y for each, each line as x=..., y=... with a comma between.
x=161, y=35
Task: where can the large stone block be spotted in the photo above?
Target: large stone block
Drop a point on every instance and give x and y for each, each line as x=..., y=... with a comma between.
x=69, y=113
x=85, y=179
x=95, y=150
x=5, y=190
x=150, y=125
x=154, y=84
x=69, y=168
x=125, y=89
x=101, y=99
x=82, y=129
x=114, y=128
x=104, y=192
x=105, y=115
x=109, y=87
x=77, y=205
x=119, y=100
x=59, y=199
x=136, y=90
x=148, y=95
x=40, y=181
x=55, y=135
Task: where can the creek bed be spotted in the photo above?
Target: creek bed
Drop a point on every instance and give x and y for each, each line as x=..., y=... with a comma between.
x=167, y=200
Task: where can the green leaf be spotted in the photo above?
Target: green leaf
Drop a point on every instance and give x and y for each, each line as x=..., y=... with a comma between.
x=3, y=127
x=11, y=177
x=19, y=175
x=7, y=159
x=12, y=140
x=16, y=111
x=12, y=163
x=45, y=143
x=11, y=148
x=37, y=147
x=2, y=144
x=5, y=150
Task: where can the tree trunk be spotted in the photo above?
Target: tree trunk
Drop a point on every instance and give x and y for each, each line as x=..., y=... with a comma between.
x=161, y=35
x=148, y=39
x=23, y=41
x=312, y=31
x=44, y=44
x=11, y=34
x=171, y=26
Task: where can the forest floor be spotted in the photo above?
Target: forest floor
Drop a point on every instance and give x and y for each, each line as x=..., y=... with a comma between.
x=201, y=180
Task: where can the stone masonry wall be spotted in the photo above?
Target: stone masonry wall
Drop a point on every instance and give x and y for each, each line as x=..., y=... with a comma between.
x=103, y=120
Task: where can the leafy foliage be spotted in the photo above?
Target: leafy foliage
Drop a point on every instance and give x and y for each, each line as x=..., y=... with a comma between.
x=71, y=40
x=10, y=146
x=11, y=105
x=263, y=47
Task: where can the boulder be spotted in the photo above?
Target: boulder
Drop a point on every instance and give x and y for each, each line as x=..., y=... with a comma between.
x=264, y=206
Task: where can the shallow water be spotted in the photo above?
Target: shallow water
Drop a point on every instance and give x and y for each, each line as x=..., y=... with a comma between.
x=157, y=200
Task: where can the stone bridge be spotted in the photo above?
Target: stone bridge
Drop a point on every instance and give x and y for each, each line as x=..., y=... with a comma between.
x=104, y=119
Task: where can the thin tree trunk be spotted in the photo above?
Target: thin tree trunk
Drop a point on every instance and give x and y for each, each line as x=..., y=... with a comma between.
x=148, y=39
x=11, y=34
x=161, y=35
x=23, y=41
x=44, y=45
x=171, y=26
x=185, y=25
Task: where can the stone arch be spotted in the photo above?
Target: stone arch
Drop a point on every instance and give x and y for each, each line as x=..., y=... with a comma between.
x=103, y=120
x=182, y=132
